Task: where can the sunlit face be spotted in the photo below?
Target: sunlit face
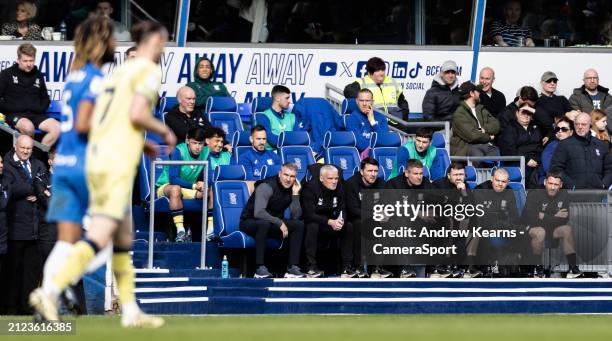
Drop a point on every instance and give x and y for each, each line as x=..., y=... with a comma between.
x=552, y=185
x=158, y=41
x=23, y=148
x=194, y=146
x=500, y=181
x=287, y=177
x=456, y=176
x=449, y=77
x=550, y=86
x=187, y=100
x=258, y=140
x=25, y=62
x=421, y=143
x=601, y=124
x=486, y=79
x=329, y=179
x=104, y=8
x=204, y=69
x=523, y=117
x=364, y=101
x=378, y=76
x=215, y=143
x=582, y=124
x=369, y=174
x=414, y=175
x=283, y=100
x=591, y=80
x=21, y=14
x=513, y=12
x=563, y=131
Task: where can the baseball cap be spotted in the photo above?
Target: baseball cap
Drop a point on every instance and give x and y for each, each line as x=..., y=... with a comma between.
x=467, y=87
x=548, y=75
x=449, y=65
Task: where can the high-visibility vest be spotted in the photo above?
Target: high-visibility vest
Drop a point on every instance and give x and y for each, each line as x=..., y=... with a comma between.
x=385, y=94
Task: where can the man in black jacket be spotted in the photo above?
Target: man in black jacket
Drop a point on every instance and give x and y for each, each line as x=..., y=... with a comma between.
x=263, y=217
x=367, y=178
x=23, y=172
x=442, y=98
x=584, y=160
x=183, y=117
x=550, y=105
x=546, y=215
x=492, y=99
x=24, y=98
x=324, y=213
x=526, y=94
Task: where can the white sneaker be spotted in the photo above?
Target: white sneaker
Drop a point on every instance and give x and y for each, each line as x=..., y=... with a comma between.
x=141, y=320
x=44, y=305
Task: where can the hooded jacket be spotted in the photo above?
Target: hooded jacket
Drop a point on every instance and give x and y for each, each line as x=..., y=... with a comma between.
x=581, y=100
x=440, y=100
x=205, y=88
x=23, y=92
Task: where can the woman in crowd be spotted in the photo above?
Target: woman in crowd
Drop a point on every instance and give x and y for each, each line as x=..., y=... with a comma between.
x=23, y=27
x=599, y=125
x=564, y=128
x=204, y=84
x=522, y=137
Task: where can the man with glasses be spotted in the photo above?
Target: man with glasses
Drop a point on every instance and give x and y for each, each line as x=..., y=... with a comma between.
x=584, y=160
x=364, y=121
x=590, y=95
x=550, y=105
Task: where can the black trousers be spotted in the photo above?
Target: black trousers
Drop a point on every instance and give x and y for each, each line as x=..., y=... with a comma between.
x=346, y=236
x=358, y=259
x=261, y=230
x=24, y=270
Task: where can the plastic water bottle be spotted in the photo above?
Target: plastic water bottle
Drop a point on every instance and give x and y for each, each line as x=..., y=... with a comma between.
x=63, y=30
x=224, y=268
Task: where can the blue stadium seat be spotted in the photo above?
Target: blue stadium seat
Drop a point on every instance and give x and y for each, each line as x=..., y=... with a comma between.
x=439, y=164
x=348, y=106
x=162, y=204
x=470, y=177
x=269, y=171
x=228, y=121
x=382, y=174
x=340, y=150
x=437, y=140
x=229, y=172
x=240, y=142
x=293, y=138
x=383, y=148
x=55, y=110
x=260, y=104
x=515, y=178
x=221, y=104
x=230, y=197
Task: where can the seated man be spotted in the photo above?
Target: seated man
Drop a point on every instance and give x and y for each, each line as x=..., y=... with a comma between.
x=420, y=148
x=364, y=121
x=183, y=182
x=547, y=214
x=324, y=212
x=277, y=119
x=264, y=217
x=214, y=151
x=183, y=117
x=255, y=158
x=24, y=98
x=367, y=178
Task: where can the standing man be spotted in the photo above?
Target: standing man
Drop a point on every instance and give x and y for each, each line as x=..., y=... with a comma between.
x=254, y=159
x=583, y=160
x=388, y=95
x=263, y=218
x=442, y=98
x=367, y=178
x=24, y=98
x=324, y=208
x=550, y=105
x=492, y=99
x=122, y=114
x=590, y=95
x=546, y=215
x=277, y=118
x=364, y=121
x=21, y=171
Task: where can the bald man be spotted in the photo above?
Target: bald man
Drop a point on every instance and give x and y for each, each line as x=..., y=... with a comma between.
x=184, y=117
x=590, y=95
x=23, y=173
x=584, y=160
x=493, y=100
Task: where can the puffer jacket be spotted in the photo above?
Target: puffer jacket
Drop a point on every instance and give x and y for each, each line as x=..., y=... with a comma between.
x=440, y=100
x=581, y=100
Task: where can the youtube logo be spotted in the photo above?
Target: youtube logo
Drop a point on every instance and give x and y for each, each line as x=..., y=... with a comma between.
x=328, y=69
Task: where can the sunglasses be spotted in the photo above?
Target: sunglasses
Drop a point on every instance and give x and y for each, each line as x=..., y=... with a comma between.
x=563, y=129
x=552, y=80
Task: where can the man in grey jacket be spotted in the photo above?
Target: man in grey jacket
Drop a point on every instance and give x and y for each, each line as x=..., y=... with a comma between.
x=590, y=95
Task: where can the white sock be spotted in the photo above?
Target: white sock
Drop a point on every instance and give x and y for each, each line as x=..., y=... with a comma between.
x=179, y=229
x=100, y=259
x=55, y=261
x=130, y=310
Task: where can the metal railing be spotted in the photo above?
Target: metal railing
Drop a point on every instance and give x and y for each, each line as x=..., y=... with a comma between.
x=154, y=163
x=16, y=134
x=486, y=174
x=335, y=96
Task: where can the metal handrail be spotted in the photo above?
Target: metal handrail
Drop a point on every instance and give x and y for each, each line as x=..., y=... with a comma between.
x=469, y=160
x=204, y=207
x=16, y=134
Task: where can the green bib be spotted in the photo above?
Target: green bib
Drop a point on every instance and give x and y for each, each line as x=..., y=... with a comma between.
x=189, y=173
x=224, y=158
x=427, y=160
